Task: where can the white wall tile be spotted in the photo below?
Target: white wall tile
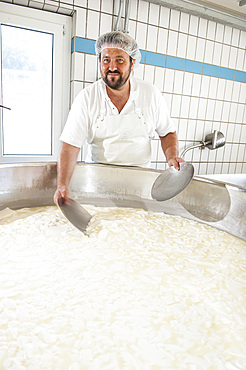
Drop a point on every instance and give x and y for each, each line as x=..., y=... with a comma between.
x=92, y=25
x=184, y=22
x=141, y=35
x=80, y=22
x=225, y=56
x=187, y=85
x=159, y=78
x=243, y=134
x=209, y=49
x=237, y=133
x=241, y=150
x=232, y=58
x=152, y=38
x=191, y=47
x=143, y=11
x=227, y=35
x=219, y=33
x=228, y=90
x=106, y=6
x=240, y=111
x=174, y=20
x=213, y=87
x=242, y=39
x=132, y=26
x=235, y=37
x=199, y=130
x=105, y=24
x=178, y=82
x=225, y=168
x=164, y=17
x=139, y=71
x=169, y=80
x=217, y=53
x=185, y=106
x=182, y=132
x=133, y=9
x=218, y=110
x=79, y=3
x=200, y=50
x=168, y=99
x=191, y=130
x=233, y=112
x=211, y=30
x=205, y=86
x=193, y=107
x=149, y=73
x=94, y=4
x=235, y=91
x=210, y=110
x=225, y=112
x=154, y=14
x=196, y=85
x=182, y=45
x=162, y=41
x=242, y=95
x=202, y=27
x=79, y=65
x=193, y=27
x=202, y=107
x=154, y=150
x=176, y=103
x=221, y=88
x=90, y=68
x=172, y=43
x=240, y=59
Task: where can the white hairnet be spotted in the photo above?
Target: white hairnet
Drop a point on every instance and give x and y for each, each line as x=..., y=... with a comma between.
x=119, y=40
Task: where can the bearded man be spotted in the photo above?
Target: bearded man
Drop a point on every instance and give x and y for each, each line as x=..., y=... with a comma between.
x=117, y=115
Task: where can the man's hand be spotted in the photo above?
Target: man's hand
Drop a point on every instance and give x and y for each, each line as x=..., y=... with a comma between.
x=61, y=192
x=174, y=161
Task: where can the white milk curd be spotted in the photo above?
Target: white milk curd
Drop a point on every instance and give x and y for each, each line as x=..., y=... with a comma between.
x=143, y=291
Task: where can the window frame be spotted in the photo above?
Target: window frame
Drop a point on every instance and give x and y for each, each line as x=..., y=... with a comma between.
x=60, y=26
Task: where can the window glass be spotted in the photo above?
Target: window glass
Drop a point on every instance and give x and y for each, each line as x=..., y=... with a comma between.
x=27, y=90
x=35, y=52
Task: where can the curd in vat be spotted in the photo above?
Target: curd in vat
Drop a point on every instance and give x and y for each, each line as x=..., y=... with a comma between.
x=144, y=291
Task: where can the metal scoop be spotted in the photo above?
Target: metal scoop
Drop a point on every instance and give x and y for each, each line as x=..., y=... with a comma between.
x=171, y=182
x=75, y=213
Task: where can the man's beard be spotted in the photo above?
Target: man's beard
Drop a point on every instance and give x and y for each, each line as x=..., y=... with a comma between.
x=116, y=83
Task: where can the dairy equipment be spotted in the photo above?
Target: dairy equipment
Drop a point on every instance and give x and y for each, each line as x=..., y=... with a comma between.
x=220, y=205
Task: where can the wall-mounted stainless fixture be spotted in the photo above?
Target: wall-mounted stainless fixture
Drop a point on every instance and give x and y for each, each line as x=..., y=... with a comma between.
x=212, y=141
x=117, y=24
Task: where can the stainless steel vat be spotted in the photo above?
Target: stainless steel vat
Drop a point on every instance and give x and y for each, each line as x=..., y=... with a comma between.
x=213, y=202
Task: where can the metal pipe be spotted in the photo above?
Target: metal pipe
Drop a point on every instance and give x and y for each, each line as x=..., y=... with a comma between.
x=127, y=6
x=212, y=141
x=116, y=28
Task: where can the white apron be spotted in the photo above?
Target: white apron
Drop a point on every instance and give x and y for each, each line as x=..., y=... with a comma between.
x=122, y=139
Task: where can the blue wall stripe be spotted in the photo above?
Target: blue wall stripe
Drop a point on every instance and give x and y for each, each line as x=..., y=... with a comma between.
x=155, y=59
x=240, y=76
x=192, y=66
x=87, y=46
x=227, y=73
x=175, y=63
x=210, y=70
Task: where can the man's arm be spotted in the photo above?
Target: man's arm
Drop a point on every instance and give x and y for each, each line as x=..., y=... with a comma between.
x=65, y=168
x=170, y=147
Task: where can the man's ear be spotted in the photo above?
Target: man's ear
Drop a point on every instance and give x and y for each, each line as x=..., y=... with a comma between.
x=133, y=61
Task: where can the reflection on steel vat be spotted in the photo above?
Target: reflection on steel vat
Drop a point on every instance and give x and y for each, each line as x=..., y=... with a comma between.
x=216, y=203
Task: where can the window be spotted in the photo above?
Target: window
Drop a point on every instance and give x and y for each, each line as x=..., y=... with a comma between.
x=35, y=54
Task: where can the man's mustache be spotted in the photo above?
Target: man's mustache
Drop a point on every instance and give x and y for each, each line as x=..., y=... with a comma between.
x=109, y=71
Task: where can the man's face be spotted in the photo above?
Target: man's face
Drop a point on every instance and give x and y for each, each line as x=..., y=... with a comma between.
x=116, y=67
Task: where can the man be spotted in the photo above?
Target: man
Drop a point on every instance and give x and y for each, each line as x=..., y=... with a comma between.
x=117, y=115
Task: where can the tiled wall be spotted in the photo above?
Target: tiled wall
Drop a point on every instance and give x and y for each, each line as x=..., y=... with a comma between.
x=198, y=64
